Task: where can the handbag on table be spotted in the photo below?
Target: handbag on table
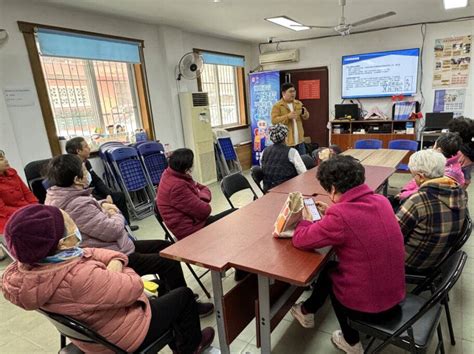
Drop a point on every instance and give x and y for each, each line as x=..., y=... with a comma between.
x=289, y=216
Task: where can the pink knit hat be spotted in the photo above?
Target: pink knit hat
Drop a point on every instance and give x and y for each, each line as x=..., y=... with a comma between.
x=33, y=232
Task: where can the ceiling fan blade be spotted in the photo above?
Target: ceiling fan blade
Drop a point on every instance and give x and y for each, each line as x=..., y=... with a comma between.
x=374, y=18
x=311, y=26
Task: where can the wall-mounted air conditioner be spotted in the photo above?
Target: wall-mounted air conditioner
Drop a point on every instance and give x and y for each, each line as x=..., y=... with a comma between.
x=283, y=56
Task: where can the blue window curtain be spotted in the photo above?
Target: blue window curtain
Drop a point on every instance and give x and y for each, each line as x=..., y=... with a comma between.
x=75, y=45
x=222, y=59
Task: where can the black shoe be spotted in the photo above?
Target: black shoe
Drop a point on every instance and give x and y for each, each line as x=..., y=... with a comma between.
x=205, y=309
x=134, y=227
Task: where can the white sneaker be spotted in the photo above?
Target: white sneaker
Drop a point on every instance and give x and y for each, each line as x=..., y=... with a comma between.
x=339, y=341
x=307, y=321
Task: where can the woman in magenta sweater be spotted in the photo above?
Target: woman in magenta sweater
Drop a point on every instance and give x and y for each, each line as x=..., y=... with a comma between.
x=368, y=280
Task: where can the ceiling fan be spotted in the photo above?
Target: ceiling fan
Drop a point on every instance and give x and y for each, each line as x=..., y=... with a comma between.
x=345, y=28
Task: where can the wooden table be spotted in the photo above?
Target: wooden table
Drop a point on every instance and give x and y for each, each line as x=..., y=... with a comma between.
x=308, y=185
x=385, y=158
x=378, y=157
x=244, y=240
x=359, y=154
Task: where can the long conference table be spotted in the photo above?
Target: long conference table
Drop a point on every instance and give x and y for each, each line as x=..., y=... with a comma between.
x=278, y=270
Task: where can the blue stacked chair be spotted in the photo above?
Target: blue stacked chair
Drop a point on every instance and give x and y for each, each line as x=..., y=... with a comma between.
x=228, y=156
x=110, y=176
x=368, y=144
x=133, y=180
x=154, y=160
x=403, y=144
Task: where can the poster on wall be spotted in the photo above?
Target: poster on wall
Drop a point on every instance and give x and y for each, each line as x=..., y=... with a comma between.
x=309, y=89
x=452, y=62
x=264, y=93
x=450, y=101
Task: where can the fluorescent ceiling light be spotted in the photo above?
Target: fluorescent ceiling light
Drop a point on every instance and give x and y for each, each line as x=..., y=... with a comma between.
x=288, y=23
x=454, y=4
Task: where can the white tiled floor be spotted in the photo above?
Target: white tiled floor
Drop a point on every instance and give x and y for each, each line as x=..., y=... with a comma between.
x=29, y=332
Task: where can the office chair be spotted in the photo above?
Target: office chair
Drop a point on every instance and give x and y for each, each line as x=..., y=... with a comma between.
x=403, y=144
x=368, y=144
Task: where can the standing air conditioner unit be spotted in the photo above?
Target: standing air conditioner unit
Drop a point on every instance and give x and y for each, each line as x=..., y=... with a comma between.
x=198, y=137
x=282, y=56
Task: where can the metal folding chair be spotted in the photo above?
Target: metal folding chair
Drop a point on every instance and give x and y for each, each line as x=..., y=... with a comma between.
x=170, y=237
x=133, y=180
x=234, y=183
x=72, y=329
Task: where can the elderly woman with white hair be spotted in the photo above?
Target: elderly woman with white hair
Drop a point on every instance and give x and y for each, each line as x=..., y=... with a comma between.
x=430, y=219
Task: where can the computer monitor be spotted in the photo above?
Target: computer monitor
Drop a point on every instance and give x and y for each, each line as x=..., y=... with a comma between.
x=347, y=111
x=437, y=121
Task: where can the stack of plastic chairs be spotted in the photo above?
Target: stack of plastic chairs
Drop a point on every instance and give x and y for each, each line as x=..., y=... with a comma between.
x=110, y=176
x=152, y=155
x=133, y=180
x=226, y=156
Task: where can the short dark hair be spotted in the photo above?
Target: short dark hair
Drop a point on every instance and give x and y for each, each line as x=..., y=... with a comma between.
x=449, y=143
x=286, y=86
x=463, y=126
x=63, y=168
x=341, y=172
x=74, y=144
x=181, y=160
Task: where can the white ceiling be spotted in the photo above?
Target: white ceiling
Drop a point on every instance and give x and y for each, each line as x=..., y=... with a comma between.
x=244, y=19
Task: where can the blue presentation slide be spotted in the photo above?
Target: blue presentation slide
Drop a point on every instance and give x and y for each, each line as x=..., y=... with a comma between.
x=380, y=74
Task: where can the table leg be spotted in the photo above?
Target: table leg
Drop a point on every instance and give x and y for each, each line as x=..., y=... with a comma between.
x=264, y=307
x=218, y=302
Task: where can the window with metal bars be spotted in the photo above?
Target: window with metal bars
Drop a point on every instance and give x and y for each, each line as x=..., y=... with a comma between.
x=93, y=99
x=222, y=85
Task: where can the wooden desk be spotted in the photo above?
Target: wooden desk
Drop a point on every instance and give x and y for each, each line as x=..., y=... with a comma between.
x=308, y=185
x=379, y=157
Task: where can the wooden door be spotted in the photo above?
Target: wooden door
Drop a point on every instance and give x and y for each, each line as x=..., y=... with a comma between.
x=308, y=82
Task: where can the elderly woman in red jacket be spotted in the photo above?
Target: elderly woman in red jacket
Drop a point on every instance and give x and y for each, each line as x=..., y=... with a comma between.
x=368, y=280
x=184, y=204
x=14, y=194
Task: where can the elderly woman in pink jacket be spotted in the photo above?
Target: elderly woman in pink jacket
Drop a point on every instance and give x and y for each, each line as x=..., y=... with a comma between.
x=368, y=280
x=103, y=226
x=93, y=286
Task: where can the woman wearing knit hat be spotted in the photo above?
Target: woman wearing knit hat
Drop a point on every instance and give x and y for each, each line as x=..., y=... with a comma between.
x=93, y=286
x=280, y=162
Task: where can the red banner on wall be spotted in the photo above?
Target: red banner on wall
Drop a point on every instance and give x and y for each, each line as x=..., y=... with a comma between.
x=309, y=89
